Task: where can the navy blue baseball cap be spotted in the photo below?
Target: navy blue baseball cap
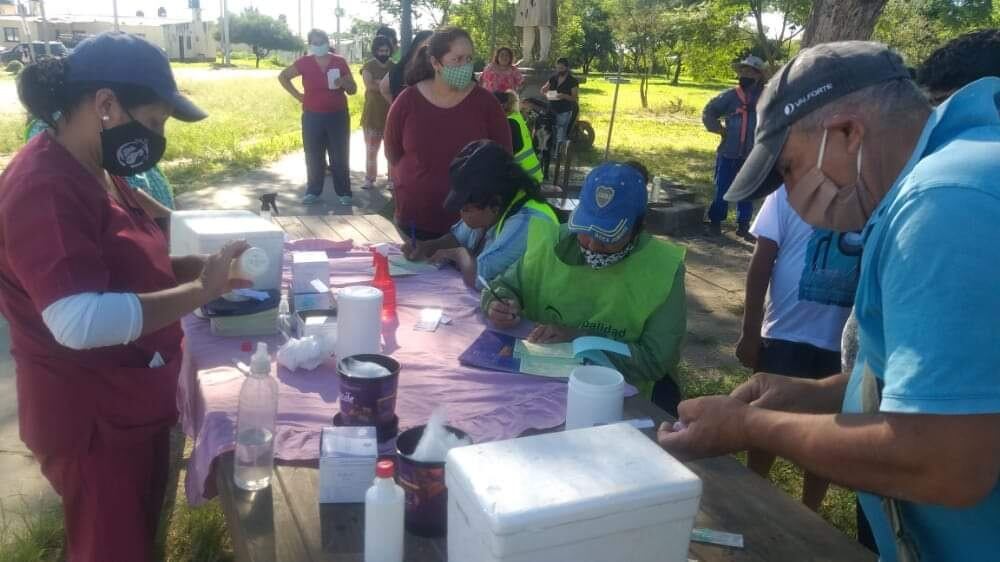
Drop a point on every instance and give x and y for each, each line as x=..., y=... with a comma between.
x=122, y=58
x=612, y=201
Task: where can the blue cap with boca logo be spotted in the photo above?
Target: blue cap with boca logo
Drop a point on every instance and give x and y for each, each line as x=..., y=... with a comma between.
x=612, y=201
x=121, y=58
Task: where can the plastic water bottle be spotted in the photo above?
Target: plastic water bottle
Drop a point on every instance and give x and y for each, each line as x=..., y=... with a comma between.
x=384, y=504
x=284, y=317
x=255, y=424
x=384, y=282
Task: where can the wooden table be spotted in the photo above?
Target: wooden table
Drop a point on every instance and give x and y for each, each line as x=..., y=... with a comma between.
x=286, y=523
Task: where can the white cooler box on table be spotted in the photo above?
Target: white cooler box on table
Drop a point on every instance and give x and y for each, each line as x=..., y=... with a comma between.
x=601, y=494
x=205, y=232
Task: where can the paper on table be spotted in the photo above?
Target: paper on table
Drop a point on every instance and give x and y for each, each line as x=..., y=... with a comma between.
x=332, y=76
x=402, y=267
x=525, y=348
x=548, y=367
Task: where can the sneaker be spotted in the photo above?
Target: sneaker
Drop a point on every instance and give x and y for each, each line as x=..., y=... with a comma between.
x=715, y=229
x=369, y=184
x=345, y=200
x=743, y=231
x=310, y=199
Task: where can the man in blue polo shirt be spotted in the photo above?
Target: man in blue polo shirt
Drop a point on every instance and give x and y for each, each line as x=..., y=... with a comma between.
x=917, y=423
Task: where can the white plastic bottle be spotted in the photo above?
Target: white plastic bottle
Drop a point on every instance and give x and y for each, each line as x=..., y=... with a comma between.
x=255, y=424
x=384, y=504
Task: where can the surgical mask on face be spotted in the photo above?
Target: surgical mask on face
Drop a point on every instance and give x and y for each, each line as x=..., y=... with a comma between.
x=457, y=77
x=318, y=50
x=130, y=149
x=597, y=260
x=747, y=83
x=382, y=58
x=823, y=204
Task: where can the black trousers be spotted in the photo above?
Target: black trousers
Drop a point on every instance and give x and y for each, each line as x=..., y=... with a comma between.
x=322, y=134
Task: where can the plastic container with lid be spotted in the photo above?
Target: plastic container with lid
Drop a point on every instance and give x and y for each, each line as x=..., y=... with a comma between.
x=595, y=396
x=599, y=494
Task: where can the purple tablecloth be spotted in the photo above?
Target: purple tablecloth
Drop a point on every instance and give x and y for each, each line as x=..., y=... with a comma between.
x=487, y=405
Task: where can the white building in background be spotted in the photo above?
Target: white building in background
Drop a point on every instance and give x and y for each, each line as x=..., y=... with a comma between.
x=182, y=39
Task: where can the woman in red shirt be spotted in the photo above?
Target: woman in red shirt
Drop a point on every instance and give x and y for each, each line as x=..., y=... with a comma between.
x=326, y=122
x=429, y=123
x=91, y=295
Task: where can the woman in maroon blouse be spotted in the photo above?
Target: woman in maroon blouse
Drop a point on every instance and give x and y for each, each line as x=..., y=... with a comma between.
x=428, y=125
x=326, y=122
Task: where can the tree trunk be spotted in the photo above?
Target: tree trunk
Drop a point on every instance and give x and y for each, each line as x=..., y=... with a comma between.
x=677, y=69
x=644, y=86
x=841, y=20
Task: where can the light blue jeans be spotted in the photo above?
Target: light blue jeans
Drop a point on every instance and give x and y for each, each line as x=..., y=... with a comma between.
x=562, y=126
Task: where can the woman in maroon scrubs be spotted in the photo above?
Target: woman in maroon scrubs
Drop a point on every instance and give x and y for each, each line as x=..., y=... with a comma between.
x=91, y=296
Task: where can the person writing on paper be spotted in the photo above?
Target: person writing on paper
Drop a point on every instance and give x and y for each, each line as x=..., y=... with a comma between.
x=326, y=122
x=498, y=204
x=92, y=298
x=603, y=275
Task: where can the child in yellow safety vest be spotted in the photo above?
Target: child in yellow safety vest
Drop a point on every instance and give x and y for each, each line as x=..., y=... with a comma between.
x=520, y=135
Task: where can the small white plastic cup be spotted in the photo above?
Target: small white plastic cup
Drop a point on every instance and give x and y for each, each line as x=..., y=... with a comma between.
x=596, y=396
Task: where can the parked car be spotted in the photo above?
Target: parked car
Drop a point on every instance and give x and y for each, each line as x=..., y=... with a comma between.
x=20, y=52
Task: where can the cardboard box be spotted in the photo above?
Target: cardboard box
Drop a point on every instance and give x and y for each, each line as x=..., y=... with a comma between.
x=306, y=267
x=346, y=463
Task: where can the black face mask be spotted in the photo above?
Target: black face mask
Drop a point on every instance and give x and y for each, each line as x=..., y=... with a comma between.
x=747, y=83
x=131, y=148
x=382, y=58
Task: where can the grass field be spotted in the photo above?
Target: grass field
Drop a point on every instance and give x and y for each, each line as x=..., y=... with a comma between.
x=668, y=137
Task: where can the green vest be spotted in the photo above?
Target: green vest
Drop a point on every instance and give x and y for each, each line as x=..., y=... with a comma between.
x=526, y=158
x=530, y=204
x=613, y=302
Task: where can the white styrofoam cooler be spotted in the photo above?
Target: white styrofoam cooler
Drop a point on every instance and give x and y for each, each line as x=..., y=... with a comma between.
x=599, y=494
x=205, y=232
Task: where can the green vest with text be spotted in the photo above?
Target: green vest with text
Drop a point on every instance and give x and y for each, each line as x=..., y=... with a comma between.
x=613, y=302
x=526, y=158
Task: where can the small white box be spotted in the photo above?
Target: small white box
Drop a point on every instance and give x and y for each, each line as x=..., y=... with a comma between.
x=346, y=463
x=312, y=301
x=590, y=495
x=316, y=323
x=309, y=266
x=206, y=232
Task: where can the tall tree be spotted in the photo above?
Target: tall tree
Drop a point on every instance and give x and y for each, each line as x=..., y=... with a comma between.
x=841, y=20
x=263, y=33
x=641, y=27
x=916, y=28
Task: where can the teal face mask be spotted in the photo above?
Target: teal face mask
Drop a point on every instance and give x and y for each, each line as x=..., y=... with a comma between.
x=457, y=77
x=319, y=50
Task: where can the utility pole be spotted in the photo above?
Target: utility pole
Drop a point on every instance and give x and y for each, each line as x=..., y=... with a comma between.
x=337, y=13
x=312, y=14
x=43, y=32
x=114, y=7
x=225, y=33
x=406, y=23
x=300, y=19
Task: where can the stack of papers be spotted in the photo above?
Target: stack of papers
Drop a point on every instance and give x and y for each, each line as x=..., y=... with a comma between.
x=546, y=359
x=346, y=464
x=559, y=359
x=399, y=266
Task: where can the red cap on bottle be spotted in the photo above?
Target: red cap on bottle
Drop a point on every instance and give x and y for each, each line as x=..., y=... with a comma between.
x=246, y=347
x=385, y=469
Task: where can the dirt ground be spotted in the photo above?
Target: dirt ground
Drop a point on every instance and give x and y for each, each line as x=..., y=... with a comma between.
x=716, y=271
